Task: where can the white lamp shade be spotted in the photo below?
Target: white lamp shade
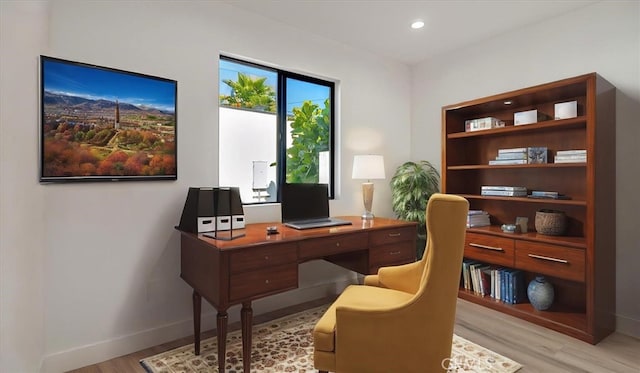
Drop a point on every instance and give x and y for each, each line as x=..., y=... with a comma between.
x=368, y=167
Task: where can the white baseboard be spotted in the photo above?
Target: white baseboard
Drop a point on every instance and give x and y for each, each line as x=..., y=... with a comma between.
x=94, y=353
x=628, y=326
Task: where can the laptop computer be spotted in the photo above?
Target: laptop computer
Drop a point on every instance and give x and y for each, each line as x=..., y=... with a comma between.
x=306, y=206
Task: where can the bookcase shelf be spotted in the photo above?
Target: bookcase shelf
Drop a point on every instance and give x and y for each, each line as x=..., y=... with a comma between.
x=547, y=201
x=584, y=276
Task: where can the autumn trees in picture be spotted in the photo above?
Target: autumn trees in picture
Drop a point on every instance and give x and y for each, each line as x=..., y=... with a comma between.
x=105, y=124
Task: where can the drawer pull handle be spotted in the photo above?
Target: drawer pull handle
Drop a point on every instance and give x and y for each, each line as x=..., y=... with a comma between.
x=486, y=247
x=548, y=258
x=337, y=244
x=266, y=281
x=266, y=257
x=394, y=252
x=394, y=234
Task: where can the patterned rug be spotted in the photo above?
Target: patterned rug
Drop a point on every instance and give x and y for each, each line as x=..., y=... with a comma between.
x=286, y=345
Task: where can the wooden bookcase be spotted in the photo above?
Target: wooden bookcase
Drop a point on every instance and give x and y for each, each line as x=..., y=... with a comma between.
x=584, y=275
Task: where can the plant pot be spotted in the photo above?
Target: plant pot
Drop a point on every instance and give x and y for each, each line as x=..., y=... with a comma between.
x=551, y=222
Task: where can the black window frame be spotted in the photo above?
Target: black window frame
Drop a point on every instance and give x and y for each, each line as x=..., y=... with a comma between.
x=281, y=120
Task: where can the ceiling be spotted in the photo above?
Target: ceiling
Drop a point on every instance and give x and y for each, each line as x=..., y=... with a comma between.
x=383, y=26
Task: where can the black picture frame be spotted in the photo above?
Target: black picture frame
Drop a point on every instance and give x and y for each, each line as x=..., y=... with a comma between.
x=104, y=124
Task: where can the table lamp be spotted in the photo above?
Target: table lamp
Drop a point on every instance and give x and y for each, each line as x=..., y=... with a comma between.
x=368, y=167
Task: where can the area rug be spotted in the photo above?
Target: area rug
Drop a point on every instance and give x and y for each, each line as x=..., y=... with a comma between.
x=286, y=345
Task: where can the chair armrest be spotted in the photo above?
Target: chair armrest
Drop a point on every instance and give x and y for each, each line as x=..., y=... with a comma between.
x=404, y=277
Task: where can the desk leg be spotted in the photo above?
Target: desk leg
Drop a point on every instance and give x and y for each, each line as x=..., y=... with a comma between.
x=247, y=323
x=197, y=301
x=222, y=320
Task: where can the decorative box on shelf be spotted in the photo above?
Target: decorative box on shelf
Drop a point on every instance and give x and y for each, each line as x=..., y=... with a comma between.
x=528, y=117
x=565, y=110
x=482, y=124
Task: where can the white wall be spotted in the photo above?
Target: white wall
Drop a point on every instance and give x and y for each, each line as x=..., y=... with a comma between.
x=91, y=270
x=602, y=38
x=22, y=225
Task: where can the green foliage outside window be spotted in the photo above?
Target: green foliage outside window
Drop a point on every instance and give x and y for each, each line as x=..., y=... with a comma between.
x=310, y=126
x=250, y=93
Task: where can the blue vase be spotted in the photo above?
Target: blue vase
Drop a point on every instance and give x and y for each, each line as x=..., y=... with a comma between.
x=540, y=293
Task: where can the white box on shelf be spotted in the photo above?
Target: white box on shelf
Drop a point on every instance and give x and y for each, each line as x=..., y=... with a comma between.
x=565, y=110
x=526, y=117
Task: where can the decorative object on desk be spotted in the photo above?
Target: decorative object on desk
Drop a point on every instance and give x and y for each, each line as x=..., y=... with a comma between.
x=411, y=187
x=550, y=222
x=286, y=345
x=213, y=209
x=369, y=167
x=540, y=293
x=522, y=222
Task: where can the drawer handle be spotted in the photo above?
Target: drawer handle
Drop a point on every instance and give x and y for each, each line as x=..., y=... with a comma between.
x=486, y=247
x=548, y=258
x=266, y=257
x=395, y=234
x=337, y=244
x=266, y=281
x=394, y=252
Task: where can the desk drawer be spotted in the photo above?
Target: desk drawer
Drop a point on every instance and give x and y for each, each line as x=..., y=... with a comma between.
x=263, y=282
x=392, y=235
x=552, y=260
x=262, y=257
x=489, y=249
x=320, y=247
x=392, y=254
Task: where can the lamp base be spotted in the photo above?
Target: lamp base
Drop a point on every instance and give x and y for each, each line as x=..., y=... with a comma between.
x=367, y=215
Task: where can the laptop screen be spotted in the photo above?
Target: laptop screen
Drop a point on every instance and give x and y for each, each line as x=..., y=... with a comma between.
x=304, y=201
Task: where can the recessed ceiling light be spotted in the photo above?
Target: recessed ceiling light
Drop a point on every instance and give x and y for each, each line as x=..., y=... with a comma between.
x=417, y=24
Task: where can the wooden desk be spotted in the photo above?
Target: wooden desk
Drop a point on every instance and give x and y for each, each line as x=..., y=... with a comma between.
x=233, y=272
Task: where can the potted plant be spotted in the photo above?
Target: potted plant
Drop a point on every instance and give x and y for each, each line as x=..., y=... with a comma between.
x=411, y=187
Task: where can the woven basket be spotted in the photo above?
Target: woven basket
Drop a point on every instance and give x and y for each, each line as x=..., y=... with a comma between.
x=550, y=222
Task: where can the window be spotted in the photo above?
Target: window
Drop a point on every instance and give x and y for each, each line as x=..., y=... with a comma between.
x=275, y=126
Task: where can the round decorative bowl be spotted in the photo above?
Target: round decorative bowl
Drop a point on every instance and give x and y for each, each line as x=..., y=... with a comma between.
x=550, y=222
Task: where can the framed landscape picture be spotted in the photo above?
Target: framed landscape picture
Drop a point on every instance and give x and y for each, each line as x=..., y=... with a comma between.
x=104, y=124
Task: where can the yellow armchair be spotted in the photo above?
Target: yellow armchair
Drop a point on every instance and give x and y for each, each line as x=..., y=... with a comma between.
x=400, y=320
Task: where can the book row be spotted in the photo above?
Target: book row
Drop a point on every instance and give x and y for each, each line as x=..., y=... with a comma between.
x=504, y=284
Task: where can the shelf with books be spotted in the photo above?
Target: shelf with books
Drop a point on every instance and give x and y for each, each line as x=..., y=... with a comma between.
x=565, y=319
x=525, y=166
x=585, y=269
x=570, y=202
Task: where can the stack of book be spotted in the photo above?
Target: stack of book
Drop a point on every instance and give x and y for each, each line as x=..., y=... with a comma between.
x=503, y=191
x=505, y=284
x=510, y=156
x=546, y=194
x=571, y=156
x=477, y=218
x=530, y=155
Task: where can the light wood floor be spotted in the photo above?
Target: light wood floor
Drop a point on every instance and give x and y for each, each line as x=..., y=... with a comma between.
x=537, y=349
